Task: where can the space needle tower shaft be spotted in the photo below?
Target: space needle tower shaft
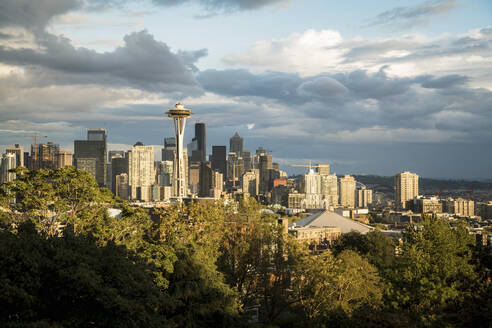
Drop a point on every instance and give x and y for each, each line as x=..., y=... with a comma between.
x=179, y=115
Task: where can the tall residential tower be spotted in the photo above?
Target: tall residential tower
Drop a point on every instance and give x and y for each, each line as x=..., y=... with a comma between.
x=406, y=188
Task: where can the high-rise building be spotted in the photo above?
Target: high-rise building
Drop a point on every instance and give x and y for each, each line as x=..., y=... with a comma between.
x=8, y=162
x=217, y=183
x=119, y=165
x=63, y=158
x=194, y=177
x=19, y=153
x=364, y=197
x=312, y=183
x=251, y=182
x=235, y=169
x=91, y=155
x=201, y=141
x=347, y=191
x=27, y=160
x=218, y=159
x=265, y=165
x=169, y=150
x=179, y=114
x=112, y=153
x=96, y=134
x=121, y=185
x=46, y=155
x=329, y=188
x=141, y=172
x=165, y=173
x=248, y=164
x=406, y=188
x=236, y=144
x=205, y=184
x=323, y=169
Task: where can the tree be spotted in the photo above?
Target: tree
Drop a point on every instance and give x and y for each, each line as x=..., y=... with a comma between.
x=200, y=295
x=434, y=274
x=331, y=288
x=52, y=198
x=259, y=260
x=375, y=246
x=70, y=281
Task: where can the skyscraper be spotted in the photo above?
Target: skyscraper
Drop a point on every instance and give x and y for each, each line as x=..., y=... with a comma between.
x=165, y=173
x=265, y=165
x=217, y=183
x=63, y=158
x=236, y=144
x=205, y=184
x=141, y=175
x=323, y=169
x=312, y=183
x=169, y=149
x=96, y=134
x=194, y=177
x=246, y=155
x=251, y=183
x=119, y=165
x=347, y=191
x=91, y=155
x=329, y=188
x=19, y=153
x=46, y=154
x=406, y=188
x=201, y=142
x=121, y=186
x=8, y=162
x=112, y=153
x=218, y=159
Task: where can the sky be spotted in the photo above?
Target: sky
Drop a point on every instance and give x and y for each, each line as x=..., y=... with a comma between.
x=371, y=87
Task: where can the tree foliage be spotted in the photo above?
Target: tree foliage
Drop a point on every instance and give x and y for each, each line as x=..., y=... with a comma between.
x=65, y=262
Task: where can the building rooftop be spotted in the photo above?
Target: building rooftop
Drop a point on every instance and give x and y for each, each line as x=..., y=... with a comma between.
x=331, y=219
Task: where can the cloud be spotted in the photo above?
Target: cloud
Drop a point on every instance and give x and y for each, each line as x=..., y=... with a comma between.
x=33, y=14
x=225, y=5
x=322, y=87
x=413, y=15
x=240, y=82
x=444, y=82
x=313, y=52
x=142, y=62
x=305, y=53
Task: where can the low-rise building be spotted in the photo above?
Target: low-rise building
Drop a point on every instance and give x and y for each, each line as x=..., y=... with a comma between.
x=460, y=206
x=422, y=204
x=316, y=235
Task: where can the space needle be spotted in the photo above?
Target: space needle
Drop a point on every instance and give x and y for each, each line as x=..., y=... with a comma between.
x=179, y=115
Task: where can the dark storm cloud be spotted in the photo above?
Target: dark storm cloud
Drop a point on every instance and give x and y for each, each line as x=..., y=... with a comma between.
x=36, y=14
x=288, y=87
x=444, y=82
x=141, y=62
x=374, y=86
x=239, y=82
x=445, y=107
x=414, y=14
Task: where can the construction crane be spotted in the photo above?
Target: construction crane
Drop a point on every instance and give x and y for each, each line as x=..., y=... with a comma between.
x=303, y=165
x=35, y=138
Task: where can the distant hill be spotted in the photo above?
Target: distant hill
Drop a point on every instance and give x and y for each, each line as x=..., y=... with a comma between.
x=382, y=183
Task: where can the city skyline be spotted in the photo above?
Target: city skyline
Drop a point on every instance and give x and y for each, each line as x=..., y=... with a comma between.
x=358, y=94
